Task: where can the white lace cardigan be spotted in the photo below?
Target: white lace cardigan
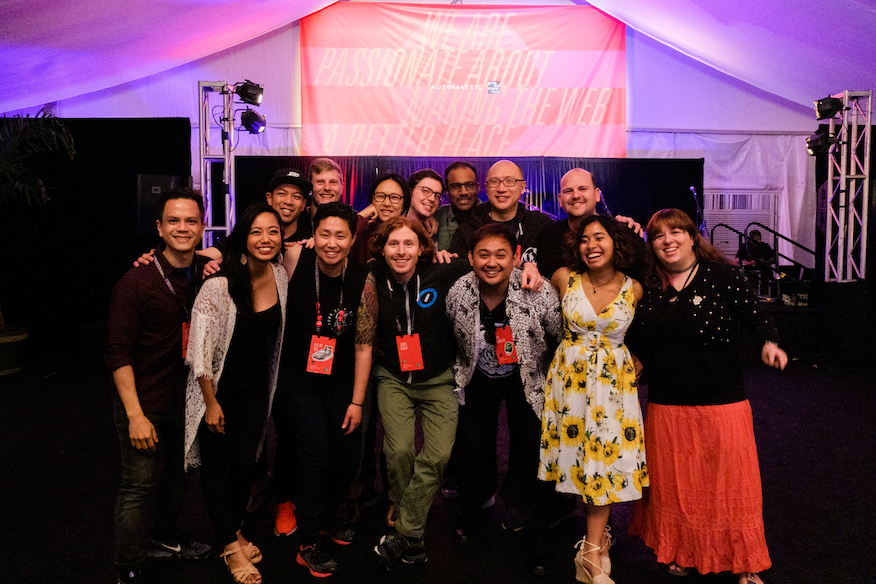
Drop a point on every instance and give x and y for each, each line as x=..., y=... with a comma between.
x=213, y=318
x=532, y=316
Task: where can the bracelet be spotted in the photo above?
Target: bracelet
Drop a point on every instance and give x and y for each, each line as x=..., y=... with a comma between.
x=355, y=404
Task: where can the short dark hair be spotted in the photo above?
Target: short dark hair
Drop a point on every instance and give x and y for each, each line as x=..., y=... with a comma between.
x=415, y=178
x=624, y=249
x=180, y=193
x=459, y=164
x=493, y=230
x=400, y=181
x=381, y=236
x=336, y=209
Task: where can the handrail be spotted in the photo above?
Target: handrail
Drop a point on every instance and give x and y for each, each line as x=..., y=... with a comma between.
x=743, y=238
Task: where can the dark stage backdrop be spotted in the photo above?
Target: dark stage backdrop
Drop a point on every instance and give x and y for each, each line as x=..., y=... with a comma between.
x=59, y=262
x=632, y=187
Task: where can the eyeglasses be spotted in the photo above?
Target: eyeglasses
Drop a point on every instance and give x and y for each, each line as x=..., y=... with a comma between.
x=456, y=187
x=429, y=193
x=492, y=183
x=394, y=198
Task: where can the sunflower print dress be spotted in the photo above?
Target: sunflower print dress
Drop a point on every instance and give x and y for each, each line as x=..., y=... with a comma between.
x=592, y=440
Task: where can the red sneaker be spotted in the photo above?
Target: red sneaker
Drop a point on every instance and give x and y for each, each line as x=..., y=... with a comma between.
x=285, y=523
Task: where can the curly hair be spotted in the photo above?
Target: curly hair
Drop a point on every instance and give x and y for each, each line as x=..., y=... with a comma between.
x=624, y=251
x=381, y=236
x=676, y=219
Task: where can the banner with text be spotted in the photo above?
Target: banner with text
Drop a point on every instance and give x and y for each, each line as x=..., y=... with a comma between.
x=413, y=80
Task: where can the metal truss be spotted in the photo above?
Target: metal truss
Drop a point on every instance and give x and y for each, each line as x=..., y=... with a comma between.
x=210, y=154
x=848, y=181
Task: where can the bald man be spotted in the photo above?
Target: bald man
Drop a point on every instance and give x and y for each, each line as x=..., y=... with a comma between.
x=578, y=197
x=505, y=185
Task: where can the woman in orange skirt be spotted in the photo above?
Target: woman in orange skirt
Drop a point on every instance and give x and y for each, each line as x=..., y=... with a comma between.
x=704, y=508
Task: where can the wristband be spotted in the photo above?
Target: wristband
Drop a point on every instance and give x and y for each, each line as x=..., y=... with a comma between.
x=355, y=404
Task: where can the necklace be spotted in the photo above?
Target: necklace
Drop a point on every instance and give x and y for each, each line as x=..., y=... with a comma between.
x=687, y=268
x=594, y=286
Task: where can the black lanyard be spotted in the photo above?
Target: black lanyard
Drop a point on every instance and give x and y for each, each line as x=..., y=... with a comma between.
x=185, y=309
x=341, y=313
x=408, y=313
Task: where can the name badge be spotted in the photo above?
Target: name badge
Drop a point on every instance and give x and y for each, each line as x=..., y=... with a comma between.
x=185, y=334
x=410, y=356
x=321, y=355
x=506, y=352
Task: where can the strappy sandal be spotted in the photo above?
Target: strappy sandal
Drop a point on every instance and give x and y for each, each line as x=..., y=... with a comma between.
x=254, y=553
x=676, y=570
x=603, y=551
x=241, y=574
x=749, y=578
x=582, y=574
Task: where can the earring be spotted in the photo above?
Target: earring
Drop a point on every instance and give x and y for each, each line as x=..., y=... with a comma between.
x=280, y=258
x=243, y=259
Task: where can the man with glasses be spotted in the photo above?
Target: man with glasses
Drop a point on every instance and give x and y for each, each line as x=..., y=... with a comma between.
x=461, y=179
x=426, y=189
x=505, y=185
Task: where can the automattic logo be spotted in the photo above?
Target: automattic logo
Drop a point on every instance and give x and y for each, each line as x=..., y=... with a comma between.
x=494, y=87
x=458, y=87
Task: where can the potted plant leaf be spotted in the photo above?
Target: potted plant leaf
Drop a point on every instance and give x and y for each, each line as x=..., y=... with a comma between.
x=21, y=139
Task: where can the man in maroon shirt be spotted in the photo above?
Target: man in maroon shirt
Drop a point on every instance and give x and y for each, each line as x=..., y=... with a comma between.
x=148, y=321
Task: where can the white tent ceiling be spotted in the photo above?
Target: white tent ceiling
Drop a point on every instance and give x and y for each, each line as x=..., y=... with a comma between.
x=795, y=49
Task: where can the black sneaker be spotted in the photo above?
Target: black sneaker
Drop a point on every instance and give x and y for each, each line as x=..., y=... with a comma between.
x=315, y=559
x=515, y=519
x=131, y=574
x=390, y=548
x=171, y=549
x=416, y=553
x=340, y=533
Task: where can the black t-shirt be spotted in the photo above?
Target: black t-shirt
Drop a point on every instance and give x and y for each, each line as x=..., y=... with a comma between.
x=428, y=315
x=301, y=322
x=487, y=363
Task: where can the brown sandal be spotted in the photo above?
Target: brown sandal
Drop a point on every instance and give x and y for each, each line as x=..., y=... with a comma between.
x=241, y=574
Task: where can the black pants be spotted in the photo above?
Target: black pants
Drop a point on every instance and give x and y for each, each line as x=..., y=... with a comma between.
x=476, y=440
x=228, y=459
x=326, y=459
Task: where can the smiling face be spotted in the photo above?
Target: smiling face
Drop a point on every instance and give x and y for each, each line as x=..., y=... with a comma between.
x=425, y=197
x=492, y=260
x=596, y=247
x=674, y=248
x=332, y=240
x=462, y=197
x=402, y=251
x=502, y=197
x=288, y=201
x=327, y=187
x=578, y=194
x=265, y=239
x=386, y=209
x=181, y=225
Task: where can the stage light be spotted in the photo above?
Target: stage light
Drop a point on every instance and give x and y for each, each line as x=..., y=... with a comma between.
x=253, y=121
x=828, y=107
x=820, y=142
x=250, y=92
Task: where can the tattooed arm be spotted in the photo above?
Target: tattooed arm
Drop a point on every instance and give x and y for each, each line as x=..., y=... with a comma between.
x=366, y=331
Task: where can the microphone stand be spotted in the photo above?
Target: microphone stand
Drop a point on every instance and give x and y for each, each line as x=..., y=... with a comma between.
x=701, y=220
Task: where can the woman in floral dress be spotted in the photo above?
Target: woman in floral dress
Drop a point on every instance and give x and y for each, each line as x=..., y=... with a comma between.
x=592, y=441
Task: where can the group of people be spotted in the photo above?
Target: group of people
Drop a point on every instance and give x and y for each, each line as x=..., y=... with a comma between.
x=314, y=314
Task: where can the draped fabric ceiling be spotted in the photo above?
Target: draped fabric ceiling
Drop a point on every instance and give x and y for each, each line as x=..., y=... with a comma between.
x=796, y=49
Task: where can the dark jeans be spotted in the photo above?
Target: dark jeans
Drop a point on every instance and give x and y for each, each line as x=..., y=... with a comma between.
x=229, y=459
x=139, y=477
x=284, y=457
x=326, y=459
x=478, y=428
